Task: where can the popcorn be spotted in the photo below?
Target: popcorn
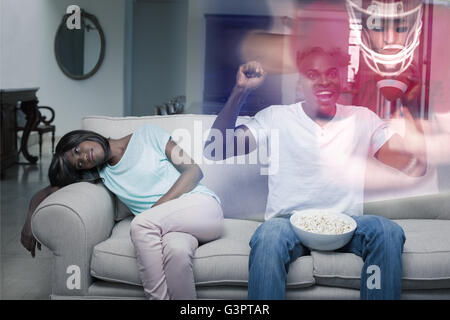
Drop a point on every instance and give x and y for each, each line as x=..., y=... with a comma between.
x=322, y=223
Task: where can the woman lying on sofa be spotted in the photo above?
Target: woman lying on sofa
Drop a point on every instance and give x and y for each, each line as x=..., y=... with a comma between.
x=158, y=182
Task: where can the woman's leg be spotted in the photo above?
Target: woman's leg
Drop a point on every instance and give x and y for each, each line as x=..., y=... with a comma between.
x=178, y=251
x=199, y=215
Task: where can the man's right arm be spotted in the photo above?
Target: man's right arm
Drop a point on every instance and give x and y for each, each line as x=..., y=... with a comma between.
x=249, y=77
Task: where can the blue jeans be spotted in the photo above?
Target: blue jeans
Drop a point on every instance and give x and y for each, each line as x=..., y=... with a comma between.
x=377, y=240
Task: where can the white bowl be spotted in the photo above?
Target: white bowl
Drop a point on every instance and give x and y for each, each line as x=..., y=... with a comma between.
x=323, y=242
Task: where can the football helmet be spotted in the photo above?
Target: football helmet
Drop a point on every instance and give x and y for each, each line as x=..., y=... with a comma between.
x=389, y=32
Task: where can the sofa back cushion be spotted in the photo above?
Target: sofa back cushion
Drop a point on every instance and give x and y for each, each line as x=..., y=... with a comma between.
x=237, y=181
x=433, y=206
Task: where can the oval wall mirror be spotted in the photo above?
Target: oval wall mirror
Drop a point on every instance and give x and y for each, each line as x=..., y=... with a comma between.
x=80, y=52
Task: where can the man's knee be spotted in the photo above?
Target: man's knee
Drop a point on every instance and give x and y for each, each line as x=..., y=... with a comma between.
x=273, y=237
x=384, y=229
x=266, y=231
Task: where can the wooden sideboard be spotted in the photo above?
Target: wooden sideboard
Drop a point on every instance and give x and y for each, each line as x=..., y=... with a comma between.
x=10, y=99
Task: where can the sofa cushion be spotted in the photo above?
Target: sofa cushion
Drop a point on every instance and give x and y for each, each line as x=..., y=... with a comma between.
x=121, y=211
x=115, y=258
x=429, y=206
x=426, y=259
x=225, y=261
x=220, y=262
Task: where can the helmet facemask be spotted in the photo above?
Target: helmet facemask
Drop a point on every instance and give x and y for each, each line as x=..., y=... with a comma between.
x=390, y=32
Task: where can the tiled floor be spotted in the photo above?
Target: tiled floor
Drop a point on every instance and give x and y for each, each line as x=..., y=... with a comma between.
x=22, y=277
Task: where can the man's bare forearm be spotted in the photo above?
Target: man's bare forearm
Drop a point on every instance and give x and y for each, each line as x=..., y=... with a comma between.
x=226, y=119
x=248, y=78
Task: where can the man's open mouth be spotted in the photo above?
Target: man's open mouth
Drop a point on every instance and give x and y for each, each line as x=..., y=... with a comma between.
x=324, y=95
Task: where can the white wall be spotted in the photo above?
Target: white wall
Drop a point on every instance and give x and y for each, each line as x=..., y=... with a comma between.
x=159, y=53
x=20, y=43
x=27, y=59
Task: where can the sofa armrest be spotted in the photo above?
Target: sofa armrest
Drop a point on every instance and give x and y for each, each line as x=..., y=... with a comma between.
x=433, y=206
x=70, y=222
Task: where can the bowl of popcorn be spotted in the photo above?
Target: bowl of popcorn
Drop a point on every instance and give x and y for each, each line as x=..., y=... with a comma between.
x=323, y=230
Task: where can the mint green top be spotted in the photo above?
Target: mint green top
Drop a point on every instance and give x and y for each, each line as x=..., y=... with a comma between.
x=144, y=173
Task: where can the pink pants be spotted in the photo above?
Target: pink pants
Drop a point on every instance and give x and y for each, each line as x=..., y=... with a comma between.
x=165, y=238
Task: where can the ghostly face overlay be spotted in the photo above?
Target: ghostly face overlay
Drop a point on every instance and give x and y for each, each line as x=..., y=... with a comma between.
x=387, y=36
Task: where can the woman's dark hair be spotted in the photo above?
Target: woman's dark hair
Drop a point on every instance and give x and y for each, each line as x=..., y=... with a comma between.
x=61, y=173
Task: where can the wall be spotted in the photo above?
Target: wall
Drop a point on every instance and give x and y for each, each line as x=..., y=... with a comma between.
x=440, y=77
x=27, y=59
x=158, y=53
x=196, y=36
x=128, y=58
x=21, y=42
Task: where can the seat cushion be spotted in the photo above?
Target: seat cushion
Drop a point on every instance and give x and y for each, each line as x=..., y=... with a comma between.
x=225, y=261
x=220, y=262
x=426, y=259
x=115, y=258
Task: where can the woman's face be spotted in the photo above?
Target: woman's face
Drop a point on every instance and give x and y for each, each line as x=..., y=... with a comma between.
x=85, y=156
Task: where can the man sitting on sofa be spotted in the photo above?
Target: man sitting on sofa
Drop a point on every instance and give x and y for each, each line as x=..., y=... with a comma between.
x=322, y=152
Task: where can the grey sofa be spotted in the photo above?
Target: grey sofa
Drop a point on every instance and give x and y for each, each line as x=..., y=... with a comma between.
x=87, y=229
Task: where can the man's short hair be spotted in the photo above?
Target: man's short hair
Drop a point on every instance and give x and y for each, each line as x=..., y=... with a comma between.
x=335, y=53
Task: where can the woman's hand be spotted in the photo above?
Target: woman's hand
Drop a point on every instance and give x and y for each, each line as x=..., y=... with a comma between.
x=27, y=238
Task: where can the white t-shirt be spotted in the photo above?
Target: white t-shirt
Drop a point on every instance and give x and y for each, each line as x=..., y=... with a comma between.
x=317, y=167
x=144, y=173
